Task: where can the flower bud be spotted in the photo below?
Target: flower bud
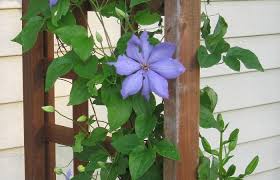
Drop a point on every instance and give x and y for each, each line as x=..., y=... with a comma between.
x=49, y=109
x=81, y=168
x=98, y=37
x=58, y=171
x=82, y=118
x=101, y=164
x=120, y=13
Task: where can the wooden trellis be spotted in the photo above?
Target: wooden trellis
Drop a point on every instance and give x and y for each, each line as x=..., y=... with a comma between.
x=182, y=26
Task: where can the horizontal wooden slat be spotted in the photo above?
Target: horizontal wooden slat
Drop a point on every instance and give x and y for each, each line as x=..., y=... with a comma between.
x=60, y=135
x=267, y=149
x=265, y=24
x=267, y=175
x=245, y=90
x=254, y=123
x=11, y=79
x=265, y=47
x=247, y=18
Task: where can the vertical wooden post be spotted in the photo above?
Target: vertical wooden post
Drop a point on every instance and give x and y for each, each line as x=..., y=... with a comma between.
x=182, y=18
x=39, y=155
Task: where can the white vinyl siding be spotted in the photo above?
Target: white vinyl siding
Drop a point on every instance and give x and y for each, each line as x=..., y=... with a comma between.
x=249, y=100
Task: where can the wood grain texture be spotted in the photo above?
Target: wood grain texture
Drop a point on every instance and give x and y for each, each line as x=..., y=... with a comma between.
x=182, y=108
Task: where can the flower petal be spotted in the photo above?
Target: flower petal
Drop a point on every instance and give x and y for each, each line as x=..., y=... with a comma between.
x=133, y=52
x=52, y=2
x=146, y=87
x=145, y=46
x=134, y=40
x=162, y=51
x=132, y=84
x=126, y=66
x=168, y=68
x=158, y=84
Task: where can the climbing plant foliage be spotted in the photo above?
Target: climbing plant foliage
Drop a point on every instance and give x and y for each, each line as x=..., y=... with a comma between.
x=134, y=130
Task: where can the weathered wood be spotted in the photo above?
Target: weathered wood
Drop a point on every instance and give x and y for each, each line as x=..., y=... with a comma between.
x=39, y=156
x=182, y=20
x=49, y=100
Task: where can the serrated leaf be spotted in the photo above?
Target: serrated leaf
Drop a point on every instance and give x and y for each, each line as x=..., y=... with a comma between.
x=167, y=149
x=28, y=36
x=144, y=125
x=79, y=92
x=147, y=17
x=59, y=67
x=140, y=160
x=127, y=143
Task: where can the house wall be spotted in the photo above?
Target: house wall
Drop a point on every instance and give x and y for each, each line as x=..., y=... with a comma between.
x=249, y=100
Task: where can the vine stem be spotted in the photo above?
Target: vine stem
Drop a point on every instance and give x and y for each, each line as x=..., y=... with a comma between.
x=221, y=156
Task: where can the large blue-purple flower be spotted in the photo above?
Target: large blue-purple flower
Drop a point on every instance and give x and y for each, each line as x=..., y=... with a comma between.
x=147, y=67
x=52, y=2
x=68, y=174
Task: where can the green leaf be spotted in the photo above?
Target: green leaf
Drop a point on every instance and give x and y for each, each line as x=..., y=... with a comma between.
x=208, y=98
x=154, y=173
x=231, y=170
x=48, y=109
x=36, y=7
x=59, y=67
x=207, y=119
x=232, y=62
x=119, y=109
x=252, y=166
x=136, y=2
x=77, y=37
x=207, y=60
x=99, y=156
x=127, y=143
x=203, y=169
x=98, y=135
x=214, y=170
x=247, y=57
x=140, y=160
x=79, y=92
x=82, y=118
x=82, y=176
x=233, y=139
x=66, y=20
x=87, y=69
x=142, y=106
x=220, y=29
x=78, y=142
x=206, y=28
x=206, y=145
x=146, y=17
x=109, y=9
x=220, y=122
x=144, y=125
x=122, y=43
x=167, y=149
x=28, y=36
x=59, y=10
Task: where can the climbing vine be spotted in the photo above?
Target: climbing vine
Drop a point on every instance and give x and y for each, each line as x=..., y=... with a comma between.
x=130, y=80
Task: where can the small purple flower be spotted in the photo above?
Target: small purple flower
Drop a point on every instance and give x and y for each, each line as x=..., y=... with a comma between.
x=52, y=2
x=68, y=175
x=147, y=67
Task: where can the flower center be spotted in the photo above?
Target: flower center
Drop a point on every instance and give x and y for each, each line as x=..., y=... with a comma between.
x=145, y=67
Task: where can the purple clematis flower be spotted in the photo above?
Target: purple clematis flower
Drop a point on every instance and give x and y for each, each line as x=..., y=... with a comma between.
x=147, y=67
x=68, y=175
x=52, y=2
